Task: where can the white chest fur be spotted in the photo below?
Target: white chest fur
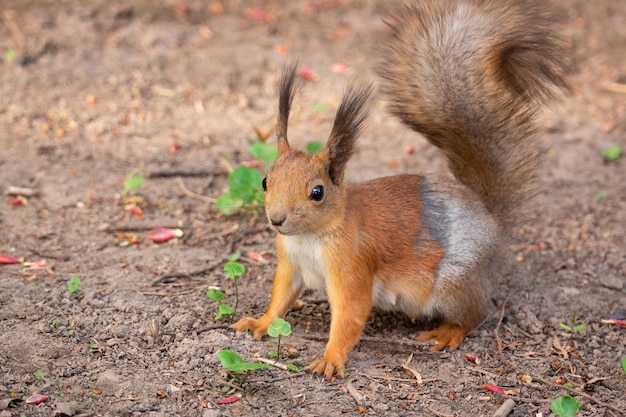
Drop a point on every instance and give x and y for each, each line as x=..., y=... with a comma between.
x=305, y=252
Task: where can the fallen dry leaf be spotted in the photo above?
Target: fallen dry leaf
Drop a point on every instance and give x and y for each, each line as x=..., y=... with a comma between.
x=307, y=74
x=493, y=388
x=229, y=400
x=163, y=234
x=7, y=260
x=36, y=399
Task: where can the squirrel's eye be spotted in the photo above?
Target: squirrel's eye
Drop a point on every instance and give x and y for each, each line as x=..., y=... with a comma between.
x=264, y=184
x=317, y=194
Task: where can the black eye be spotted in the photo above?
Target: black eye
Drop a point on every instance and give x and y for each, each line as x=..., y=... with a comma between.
x=317, y=194
x=264, y=184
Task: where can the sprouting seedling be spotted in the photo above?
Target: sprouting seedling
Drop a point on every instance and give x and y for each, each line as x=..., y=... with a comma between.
x=133, y=181
x=234, y=270
x=573, y=327
x=73, y=285
x=565, y=406
x=10, y=54
x=278, y=328
x=624, y=364
x=612, y=154
x=233, y=362
x=219, y=296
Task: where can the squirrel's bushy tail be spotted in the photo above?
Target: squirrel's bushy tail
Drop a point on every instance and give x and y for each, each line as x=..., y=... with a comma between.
x=470, y=75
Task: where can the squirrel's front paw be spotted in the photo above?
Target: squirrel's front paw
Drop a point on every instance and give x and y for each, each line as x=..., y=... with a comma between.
x=258, y=326
x=327, y=368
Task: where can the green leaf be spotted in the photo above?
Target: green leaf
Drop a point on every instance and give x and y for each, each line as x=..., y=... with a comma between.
x=293, y=367
x=245, y=183
x=39, y=375
x=234, y=269
x=314, y=147
x=612, y=154
x=224, y=310
x=73, y=285
x=565, y=406
x=565, y=327
x=235, y=257
x=264, y=152
x=227, y=204
x=279, y=327
x=233, y=362
x=580, y=328
x=132, y=183
x=215, y=294
x=624, y=364
x=10, y=54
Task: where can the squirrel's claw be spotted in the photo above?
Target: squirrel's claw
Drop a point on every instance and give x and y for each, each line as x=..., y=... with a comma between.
x=444, y=335
x=326, y=368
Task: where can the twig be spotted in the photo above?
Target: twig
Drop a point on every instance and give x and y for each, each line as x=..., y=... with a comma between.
x=505, y=408
x=274, y=363
x=191, y=194
x=357, y=395
x=171, y=277
x=178, y=172
x=134, y=227
x=616, y=88
x=21, y=191
x=496, y=333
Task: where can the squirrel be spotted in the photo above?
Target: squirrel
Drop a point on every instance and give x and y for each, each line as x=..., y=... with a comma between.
x=470, y=76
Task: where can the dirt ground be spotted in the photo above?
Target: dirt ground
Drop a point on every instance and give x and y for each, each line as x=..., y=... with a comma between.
x=98, y=88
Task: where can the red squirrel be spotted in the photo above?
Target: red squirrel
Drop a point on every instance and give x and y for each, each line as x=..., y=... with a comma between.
x=469, y=75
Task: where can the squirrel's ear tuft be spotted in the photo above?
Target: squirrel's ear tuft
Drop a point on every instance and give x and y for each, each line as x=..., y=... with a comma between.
x=287, y=91
x=349, y=123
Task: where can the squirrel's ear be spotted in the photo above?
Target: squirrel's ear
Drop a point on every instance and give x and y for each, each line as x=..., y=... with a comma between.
x=349, y=122
x=287, y=91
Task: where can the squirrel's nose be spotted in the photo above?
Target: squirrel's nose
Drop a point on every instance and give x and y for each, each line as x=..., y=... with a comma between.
x=277, y=221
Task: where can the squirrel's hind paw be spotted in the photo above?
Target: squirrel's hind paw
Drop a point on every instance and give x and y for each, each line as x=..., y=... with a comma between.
x=258, y=326
x=445, y=335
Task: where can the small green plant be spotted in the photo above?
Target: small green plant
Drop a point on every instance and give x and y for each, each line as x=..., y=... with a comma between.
x=233, y=362
x=565, y=406
x=39, y=375
x=573, y=327
x=624, y=364
x=314, y=147
x=10, y=54
x=278, y=328
x=133, y=181
x=612, y=154
x=245, y=189
x=73, y=285
x=234, y=270
x=264, y=152
x=219, y=296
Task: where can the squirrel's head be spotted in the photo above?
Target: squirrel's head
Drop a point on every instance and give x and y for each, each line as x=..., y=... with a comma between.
x=304, y=193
